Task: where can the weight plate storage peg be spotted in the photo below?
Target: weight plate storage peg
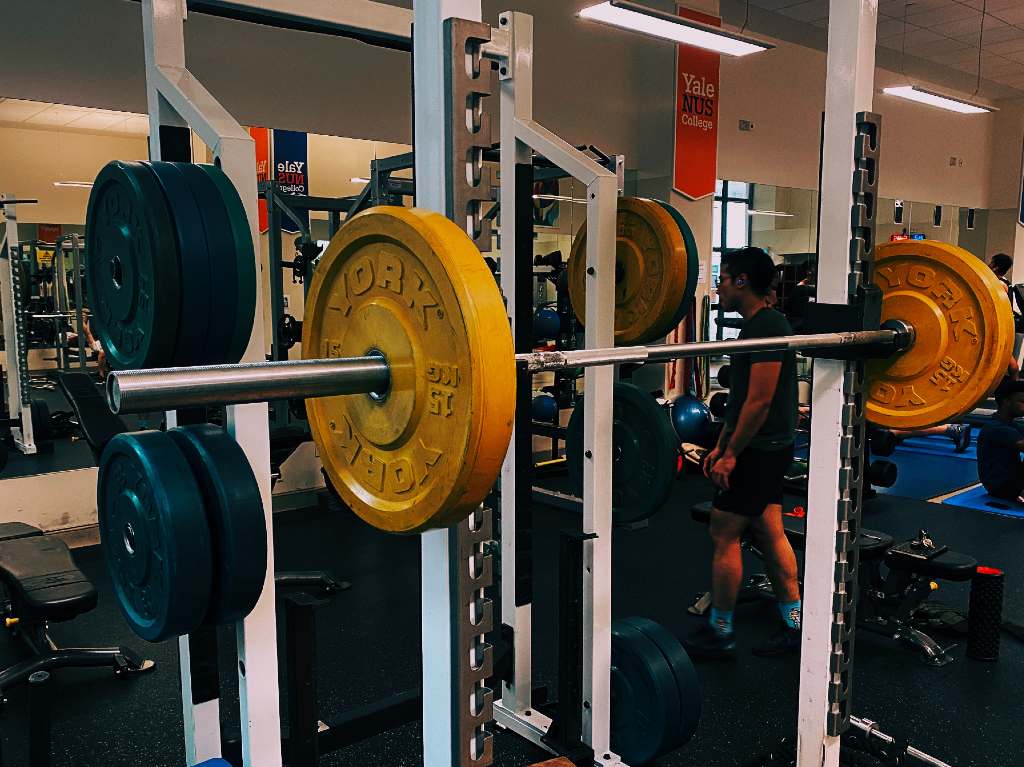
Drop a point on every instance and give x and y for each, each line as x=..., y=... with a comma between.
x=409, y=285
x=156, y=540
x=644, y=453
x=963, y=334
x=650, y=272
x=132, y=273
x=234, y=510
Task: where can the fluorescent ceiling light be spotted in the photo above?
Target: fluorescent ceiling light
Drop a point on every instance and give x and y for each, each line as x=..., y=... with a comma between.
x=779, y=213
x=75, y=184
x=914, y=93
x=638, y=18
x=359, y=180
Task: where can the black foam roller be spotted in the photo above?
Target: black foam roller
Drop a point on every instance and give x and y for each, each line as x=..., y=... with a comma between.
x=985, y=615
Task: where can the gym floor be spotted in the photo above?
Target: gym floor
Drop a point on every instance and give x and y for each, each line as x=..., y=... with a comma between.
x=368, y=647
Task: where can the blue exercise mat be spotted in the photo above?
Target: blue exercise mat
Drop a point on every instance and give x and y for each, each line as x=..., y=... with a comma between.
x=927, y=467
x=940, y=445
x=978, y=498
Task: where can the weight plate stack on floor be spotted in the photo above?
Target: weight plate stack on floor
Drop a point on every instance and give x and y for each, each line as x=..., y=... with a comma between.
x=650, y=272
x=194, y=265
x=132, y=267
x=234, y=510
x=644, y=453
x=244, y=260
x=692, y=262
x=156, y=539
x=410, y=285
x=684, y=673
x=645, y=707
x=223, y=268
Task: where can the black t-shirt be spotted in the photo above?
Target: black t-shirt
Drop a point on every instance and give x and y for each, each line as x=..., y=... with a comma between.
x=999, y=464
x=779, y=427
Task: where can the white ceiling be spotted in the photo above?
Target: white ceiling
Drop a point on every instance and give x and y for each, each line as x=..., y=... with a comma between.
x=37, y=114
x=946, y=32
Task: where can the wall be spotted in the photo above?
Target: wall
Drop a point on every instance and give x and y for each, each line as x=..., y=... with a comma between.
x=1002, y=229
x=31, y=160
x=782, y=91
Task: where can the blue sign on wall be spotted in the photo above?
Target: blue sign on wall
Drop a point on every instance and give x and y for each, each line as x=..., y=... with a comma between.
x=291, y=169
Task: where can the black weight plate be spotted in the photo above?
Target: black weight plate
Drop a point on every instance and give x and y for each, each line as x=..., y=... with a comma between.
x=132, y=273
x=687, y=681
x=644, y=453
x=234, y=509
x=644, y=699
x=692, y=262
x=41, y=426
x=245, y=262
x=197, y=293
x=220, y=243
x=156, y=540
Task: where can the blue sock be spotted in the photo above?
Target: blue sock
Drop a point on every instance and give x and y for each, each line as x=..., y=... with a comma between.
x=791, y=613
x=721, y=622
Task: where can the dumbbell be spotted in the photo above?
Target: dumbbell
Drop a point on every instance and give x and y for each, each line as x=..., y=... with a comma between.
x=723, y=376
x=883, y=442
x=717, y=404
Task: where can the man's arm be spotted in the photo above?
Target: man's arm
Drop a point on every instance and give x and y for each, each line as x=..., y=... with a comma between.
x=764, y=379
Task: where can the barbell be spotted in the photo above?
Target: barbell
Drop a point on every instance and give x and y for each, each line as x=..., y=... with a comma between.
x=403, y=313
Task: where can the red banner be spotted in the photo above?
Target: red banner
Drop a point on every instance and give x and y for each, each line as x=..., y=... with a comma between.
x=262, y=138
x=48, y=232
x=696, y=148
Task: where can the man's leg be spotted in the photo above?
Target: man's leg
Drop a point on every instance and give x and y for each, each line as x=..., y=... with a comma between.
x=780, y=560
x=726, y=531
x=715, y=639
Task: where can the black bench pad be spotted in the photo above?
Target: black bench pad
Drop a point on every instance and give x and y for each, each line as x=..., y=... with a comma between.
x=97, y=423
x=42, y=579
x=949, y=565
x=873, y=544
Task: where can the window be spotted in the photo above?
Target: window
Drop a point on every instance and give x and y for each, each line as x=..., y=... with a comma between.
x=730, y=225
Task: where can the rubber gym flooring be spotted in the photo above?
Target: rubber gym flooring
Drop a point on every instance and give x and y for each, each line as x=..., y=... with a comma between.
x=967, y=713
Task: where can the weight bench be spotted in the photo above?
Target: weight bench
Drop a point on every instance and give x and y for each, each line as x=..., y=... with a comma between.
x=889, y=600
x=40, y=584
x=95, y=419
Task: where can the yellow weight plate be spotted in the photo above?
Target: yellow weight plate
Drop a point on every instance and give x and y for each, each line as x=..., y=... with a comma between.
x=411, y=285
x=650, y=272
x=963, y=334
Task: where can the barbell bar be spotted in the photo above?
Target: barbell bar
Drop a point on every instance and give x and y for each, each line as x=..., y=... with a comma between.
x=140, y=391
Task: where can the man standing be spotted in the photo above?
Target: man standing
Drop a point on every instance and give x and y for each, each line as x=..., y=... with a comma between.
x=748, y=464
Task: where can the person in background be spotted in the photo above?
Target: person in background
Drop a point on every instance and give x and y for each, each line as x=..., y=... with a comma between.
x=1000, y=264
x=749, y=463
x=1001, y=442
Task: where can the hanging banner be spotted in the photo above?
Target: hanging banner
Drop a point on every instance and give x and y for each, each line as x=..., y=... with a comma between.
x=262, y=138
x=696, y=140
x=48, y=232
x=291, y=171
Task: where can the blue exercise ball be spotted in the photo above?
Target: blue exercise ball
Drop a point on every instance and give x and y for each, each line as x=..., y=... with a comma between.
x=546, y=324
x=691, y=419
x=544, y=408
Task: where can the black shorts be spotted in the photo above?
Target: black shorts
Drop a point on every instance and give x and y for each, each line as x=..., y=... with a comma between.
x=756, y=482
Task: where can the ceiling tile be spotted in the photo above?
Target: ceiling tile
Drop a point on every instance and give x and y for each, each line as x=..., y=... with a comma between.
x=774, y=5
x=952, y=12
x=1013, y=15
x=95, y=121
x=888, y=27
x=56, y=114
x=1005, y=46
x=16, y=110
x=809, y=10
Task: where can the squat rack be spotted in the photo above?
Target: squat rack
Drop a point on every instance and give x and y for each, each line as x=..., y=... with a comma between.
x=446, y=183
